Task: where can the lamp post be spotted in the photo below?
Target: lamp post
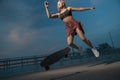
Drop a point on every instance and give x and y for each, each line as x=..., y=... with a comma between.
x=111, y=40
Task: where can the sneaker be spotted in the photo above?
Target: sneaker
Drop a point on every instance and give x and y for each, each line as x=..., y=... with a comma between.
x=80, y=51
x=96, y=52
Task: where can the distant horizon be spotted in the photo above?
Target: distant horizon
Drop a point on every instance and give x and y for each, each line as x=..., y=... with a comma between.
x=47, y=54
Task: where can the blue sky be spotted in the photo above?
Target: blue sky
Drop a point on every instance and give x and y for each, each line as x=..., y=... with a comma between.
x=25, y=29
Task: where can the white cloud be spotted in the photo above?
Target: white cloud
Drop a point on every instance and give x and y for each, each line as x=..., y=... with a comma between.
x=20, y=36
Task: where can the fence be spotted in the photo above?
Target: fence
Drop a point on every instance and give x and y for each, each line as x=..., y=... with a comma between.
x=13, y=66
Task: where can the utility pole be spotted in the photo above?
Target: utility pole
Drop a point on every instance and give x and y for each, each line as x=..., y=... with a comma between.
x=111, y=40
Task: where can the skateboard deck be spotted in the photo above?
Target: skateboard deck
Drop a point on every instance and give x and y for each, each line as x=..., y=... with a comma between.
x=51, y=59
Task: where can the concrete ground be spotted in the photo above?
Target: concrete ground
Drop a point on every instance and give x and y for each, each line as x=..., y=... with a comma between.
x=101, y=71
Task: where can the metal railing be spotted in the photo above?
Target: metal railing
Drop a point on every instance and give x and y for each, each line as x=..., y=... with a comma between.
x=11, y=66
x=19, y=62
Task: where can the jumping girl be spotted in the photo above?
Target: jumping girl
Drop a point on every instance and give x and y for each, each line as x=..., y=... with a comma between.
x=73, y=27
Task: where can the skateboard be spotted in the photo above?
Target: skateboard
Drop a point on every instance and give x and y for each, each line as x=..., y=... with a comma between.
x=51, y=59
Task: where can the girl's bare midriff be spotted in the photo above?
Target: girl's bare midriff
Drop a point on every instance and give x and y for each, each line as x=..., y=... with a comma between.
x=68, y=18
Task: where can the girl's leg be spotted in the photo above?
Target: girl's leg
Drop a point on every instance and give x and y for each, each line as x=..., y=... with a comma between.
x=83, y=38
x=81, y=35
x=70, y=43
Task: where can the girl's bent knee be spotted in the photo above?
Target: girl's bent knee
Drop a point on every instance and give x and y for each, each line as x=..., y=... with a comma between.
x=70, y=44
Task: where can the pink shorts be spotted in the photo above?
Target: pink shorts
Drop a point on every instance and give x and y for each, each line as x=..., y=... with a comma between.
x=71, y=27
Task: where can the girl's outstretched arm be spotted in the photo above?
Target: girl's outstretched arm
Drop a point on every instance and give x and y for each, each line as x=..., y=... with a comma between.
x=48, y=13
x=80, y=9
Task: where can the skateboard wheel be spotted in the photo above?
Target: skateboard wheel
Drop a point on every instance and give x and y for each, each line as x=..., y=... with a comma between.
x=47, y=68
x=66, y=55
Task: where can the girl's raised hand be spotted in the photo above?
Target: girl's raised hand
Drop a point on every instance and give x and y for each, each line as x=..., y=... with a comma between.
x=92, y=8
x=46, y=4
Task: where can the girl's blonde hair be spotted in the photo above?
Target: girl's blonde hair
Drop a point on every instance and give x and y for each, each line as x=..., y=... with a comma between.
x=63, y=1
